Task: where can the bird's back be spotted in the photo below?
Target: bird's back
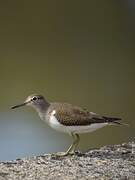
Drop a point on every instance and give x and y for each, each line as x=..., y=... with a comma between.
x=70, y=115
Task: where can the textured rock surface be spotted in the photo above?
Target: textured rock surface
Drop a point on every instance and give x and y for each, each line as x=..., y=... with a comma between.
x=109, y=162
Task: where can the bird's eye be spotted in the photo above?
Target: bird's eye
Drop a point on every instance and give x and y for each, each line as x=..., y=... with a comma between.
x=34, y=98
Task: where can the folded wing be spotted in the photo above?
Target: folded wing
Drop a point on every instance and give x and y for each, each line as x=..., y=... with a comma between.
x=69, y=115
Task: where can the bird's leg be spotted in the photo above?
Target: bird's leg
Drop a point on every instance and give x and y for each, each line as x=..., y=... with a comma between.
x=73, y=146
x=71, y=149
x=75, y=143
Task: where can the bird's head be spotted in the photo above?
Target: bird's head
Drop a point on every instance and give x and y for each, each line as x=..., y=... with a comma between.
x=34, y=100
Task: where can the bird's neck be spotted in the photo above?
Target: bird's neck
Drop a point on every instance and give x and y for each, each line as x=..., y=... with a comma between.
x=42, y=108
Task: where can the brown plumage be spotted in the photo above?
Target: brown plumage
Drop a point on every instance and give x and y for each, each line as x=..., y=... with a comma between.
x=70, y=115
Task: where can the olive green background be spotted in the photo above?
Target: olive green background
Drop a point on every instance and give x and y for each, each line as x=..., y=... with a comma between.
x=82, y=52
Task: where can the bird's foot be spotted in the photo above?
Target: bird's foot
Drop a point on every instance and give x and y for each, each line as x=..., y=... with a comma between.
x=62, y=154
x=72, y=153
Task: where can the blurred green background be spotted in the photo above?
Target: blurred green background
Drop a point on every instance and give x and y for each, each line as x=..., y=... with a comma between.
x=82, y=52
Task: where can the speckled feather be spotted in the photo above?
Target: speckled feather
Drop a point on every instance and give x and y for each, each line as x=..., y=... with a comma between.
x=70, y=115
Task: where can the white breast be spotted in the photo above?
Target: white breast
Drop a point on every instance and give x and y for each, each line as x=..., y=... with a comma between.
x=54, y=123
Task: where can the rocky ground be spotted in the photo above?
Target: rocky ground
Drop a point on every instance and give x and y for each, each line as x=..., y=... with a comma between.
x=109, y=162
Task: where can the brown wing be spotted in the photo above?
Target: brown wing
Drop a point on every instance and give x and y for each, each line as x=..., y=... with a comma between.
x=69, y=115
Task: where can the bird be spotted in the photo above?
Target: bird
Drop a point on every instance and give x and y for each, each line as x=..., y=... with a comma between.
x=68, y=118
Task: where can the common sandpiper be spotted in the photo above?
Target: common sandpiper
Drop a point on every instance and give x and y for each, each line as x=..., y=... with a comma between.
x=67, y=118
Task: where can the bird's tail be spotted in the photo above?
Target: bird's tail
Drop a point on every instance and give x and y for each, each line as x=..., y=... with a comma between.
x=113, y=120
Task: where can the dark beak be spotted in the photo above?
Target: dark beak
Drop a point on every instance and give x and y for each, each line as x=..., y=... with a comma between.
x=19, y=105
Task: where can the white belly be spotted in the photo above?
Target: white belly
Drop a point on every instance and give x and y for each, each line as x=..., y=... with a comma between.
x=74, y=129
